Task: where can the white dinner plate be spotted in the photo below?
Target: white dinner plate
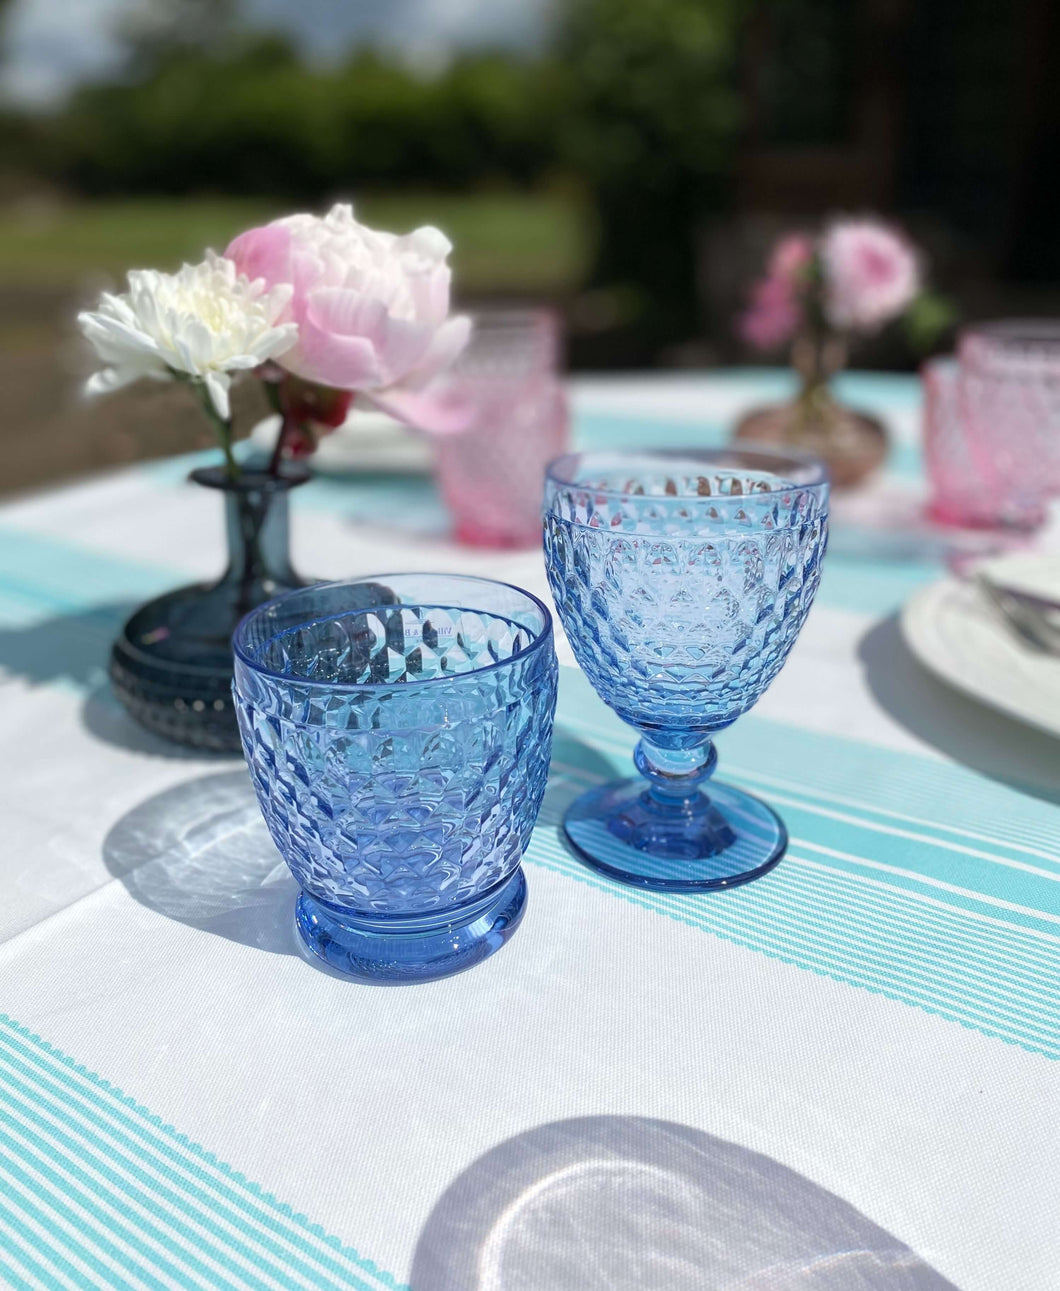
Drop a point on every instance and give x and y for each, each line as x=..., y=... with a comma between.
x=959, y=636
x=366, y=441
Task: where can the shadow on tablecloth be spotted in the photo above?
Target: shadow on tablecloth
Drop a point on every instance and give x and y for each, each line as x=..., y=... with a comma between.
x=623, y=1203
x=70, y=647
x=73, y=648
x=997, y=746
x=200, y=853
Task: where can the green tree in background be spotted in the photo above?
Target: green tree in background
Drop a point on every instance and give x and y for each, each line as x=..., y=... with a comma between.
x=155, y=31
x=249, y=117
x=18, y=138
x=634, y=102
x=652, y=119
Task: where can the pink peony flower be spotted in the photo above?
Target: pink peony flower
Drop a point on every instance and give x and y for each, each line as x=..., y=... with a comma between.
x=372, y=308
x=791, y=256
x=773, y=315
x=870, y=274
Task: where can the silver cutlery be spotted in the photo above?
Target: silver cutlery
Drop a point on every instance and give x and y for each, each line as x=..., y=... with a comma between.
x=1035, y=619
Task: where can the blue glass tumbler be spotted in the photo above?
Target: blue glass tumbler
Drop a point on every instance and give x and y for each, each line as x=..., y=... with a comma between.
x=682, y=581
x=398, y=732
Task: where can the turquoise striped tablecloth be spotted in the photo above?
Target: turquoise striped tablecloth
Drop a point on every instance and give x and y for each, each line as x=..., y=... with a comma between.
x=841, y=1076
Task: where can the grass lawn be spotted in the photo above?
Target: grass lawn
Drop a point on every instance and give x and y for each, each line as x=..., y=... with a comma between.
x=514, y=242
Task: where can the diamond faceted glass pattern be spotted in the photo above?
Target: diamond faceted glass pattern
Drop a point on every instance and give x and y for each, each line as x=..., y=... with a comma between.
x=403, y=797
x=682, y=583
x=682, y=609
x=404, y=643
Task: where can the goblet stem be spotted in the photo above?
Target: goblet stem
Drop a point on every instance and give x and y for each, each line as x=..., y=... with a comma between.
x=675, y=776
x=662, y=830
x=671, y=815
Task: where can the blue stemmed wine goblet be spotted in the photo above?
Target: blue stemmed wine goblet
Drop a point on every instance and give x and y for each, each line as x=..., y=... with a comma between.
x=398, y=732
x=682, y=581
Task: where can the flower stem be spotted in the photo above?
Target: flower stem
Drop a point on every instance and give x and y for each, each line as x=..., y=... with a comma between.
x=277, y=452
x=222, y=429
x=272, y=393
x=231, y=465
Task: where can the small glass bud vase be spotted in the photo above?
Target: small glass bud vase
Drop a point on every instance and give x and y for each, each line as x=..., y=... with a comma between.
x=852, y=444
x=171, y=666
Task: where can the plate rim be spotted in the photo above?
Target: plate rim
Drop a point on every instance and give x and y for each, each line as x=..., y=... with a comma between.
x=916, y=606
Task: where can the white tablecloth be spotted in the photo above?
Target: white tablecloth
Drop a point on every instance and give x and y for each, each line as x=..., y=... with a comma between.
x=844, y=1075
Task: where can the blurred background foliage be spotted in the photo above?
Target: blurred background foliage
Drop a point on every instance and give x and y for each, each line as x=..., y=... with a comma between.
x=651, y=118
x=623, y=139
x=249, y=117
x=615, y=137
x=631, y=164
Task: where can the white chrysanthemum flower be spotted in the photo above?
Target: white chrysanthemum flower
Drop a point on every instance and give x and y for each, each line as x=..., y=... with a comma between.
x=203, y=323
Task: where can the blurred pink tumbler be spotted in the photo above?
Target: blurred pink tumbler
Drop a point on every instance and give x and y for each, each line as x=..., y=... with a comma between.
x=992, y=426
x=507, y=391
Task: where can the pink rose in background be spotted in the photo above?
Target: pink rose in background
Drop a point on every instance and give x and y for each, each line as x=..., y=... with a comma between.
x=775, y=312
x=773, y=315
x=372, y=308
x=870, y=273
x=791, y=256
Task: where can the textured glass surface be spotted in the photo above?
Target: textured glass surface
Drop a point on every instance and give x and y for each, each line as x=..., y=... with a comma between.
x=399, y=750
x=506, y=387
x=992, y=425
x=984, y=429
x=682, y=586
x=682, y=582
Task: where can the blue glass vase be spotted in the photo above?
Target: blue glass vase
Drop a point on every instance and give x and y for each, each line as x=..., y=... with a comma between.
x=398, y=733
x=171, y=666
x=682, y=581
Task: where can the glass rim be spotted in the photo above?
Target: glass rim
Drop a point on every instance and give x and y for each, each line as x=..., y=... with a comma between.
x=562, y=473
x=1011, y=349
x=239, y=635
x=1014, y=331
x=258, y=480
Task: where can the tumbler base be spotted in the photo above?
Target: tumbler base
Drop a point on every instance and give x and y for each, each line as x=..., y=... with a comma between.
x=413, y=948
x=714, y=840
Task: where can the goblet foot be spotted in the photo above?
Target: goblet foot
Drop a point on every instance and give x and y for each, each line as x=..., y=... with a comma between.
x=697, y=843
x=411, y=948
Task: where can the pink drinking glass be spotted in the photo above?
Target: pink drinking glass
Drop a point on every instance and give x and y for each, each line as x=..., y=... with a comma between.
x=992, y=426
x=491, y=473
x=1008, y=400
x=964, y=489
